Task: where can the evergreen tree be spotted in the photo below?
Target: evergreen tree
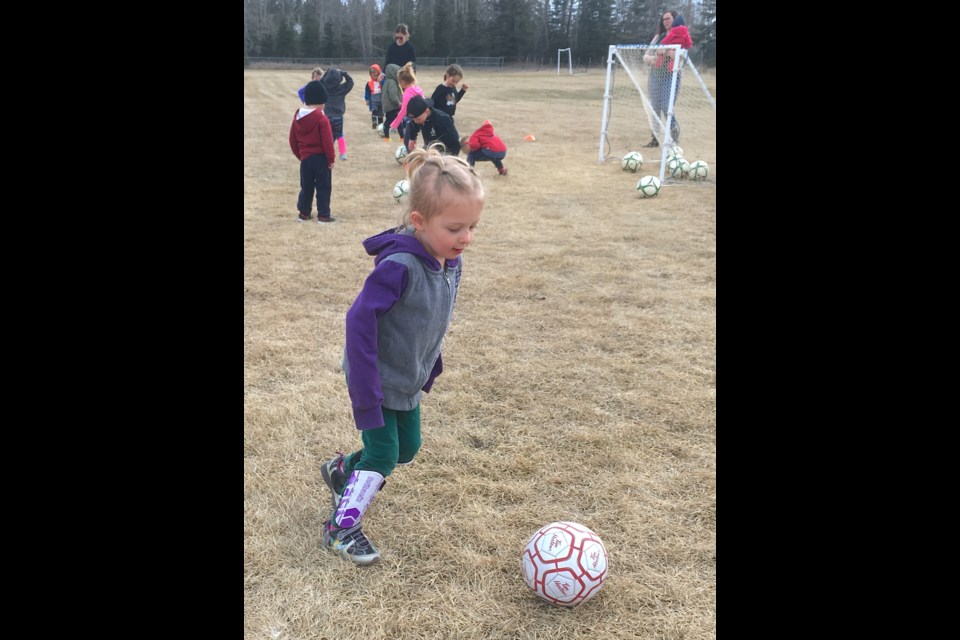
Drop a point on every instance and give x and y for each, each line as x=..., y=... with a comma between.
x=310, y=36
x=329, y=45
x=444, y=25
x=705, y=34
x=422, y=27
x=596, y=29
x=285, y=45
x=469, y=44
x=636, y=21
x=510, y=28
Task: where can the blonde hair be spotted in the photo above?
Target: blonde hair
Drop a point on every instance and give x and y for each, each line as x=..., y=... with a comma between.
x=465, y=144
x=318, y=71
x=453, y=70
x=433, y=176
x=406, y=74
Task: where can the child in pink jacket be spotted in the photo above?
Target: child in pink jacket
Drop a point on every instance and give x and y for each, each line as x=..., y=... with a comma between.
x=408, y=84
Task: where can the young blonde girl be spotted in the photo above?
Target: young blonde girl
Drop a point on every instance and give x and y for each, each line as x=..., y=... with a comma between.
x=395, y=331
x=408, y=84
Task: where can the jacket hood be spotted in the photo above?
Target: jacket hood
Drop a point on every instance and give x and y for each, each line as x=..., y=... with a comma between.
x=307, y=120
x=391, y=241
x=680, y=31
x=332, y=78
x=375, y=67
x=392, y=71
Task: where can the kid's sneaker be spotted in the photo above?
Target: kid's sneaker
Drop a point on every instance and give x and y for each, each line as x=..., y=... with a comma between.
x=351, y=544
x=333, y=475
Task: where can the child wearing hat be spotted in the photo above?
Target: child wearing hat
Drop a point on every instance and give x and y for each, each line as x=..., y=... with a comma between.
x=435, y=124
x=484, y=144
x=311, y=140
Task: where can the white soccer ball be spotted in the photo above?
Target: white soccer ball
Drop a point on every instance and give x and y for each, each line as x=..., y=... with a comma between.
x=632, y=161
x=674, y=151
x=675, y=167
x=401, y=153
x=698, y=170
x=565, y=563
x=400, y=190
x=649, y=186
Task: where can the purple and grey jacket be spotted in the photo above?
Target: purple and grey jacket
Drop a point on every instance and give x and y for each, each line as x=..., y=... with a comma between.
x=396, y=326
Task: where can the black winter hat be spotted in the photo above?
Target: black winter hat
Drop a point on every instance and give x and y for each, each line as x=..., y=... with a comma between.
x=315, y=93
x=416, y=106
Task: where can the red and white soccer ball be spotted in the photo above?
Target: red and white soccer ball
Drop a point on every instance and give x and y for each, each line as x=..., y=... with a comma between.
x=565, y=563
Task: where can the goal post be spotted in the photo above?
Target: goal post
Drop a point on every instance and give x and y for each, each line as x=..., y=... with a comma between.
x=569, y=59
x=644, y=101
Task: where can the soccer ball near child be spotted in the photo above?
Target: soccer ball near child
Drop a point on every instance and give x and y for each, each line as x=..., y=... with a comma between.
x=564, y=563
x=401, y=190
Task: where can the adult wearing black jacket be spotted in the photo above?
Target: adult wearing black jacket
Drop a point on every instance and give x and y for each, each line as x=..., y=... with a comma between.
x=435, y=124
x=401, y=50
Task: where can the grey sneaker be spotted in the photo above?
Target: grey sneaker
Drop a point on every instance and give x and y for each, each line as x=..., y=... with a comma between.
x=351, y=544
x=343, y=156
x=333, y=475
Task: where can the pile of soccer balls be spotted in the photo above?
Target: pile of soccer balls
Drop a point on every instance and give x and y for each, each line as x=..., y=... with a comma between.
x=676, y=167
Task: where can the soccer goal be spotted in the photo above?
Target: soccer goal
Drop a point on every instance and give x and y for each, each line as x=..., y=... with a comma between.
x=569, y=60
x=642, y=103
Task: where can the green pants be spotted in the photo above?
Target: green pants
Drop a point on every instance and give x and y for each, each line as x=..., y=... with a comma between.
x=396, y=442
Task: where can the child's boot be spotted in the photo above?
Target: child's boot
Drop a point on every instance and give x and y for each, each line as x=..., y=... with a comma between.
x=343, y=532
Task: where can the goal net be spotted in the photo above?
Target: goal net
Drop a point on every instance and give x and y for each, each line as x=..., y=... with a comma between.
x=568, y=59
x=637, y=108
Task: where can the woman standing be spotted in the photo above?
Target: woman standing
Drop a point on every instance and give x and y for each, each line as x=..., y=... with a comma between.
x=401, y=50
x=672, y=30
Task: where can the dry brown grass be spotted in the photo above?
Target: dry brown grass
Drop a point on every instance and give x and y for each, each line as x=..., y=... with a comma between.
x=580, y=384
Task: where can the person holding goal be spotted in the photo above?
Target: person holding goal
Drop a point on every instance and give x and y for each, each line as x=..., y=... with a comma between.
x=671, y=30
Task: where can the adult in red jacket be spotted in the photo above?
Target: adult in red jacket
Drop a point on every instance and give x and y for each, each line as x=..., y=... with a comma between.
x=671, y=30
x=484, y=144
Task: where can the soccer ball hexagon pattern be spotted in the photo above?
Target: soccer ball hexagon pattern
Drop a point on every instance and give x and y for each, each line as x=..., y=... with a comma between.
x=564, y=563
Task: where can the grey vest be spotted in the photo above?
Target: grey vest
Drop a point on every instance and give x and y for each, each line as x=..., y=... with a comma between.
x=410, y=335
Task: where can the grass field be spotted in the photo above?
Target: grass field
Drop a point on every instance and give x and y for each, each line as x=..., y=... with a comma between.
x=579, y=383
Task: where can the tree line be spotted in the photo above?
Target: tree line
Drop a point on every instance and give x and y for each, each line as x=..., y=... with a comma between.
x=518, y=30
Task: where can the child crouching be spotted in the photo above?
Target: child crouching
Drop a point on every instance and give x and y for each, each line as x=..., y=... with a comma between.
x=484, y=144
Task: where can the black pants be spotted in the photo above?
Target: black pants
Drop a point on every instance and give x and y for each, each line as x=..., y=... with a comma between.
x=315, y=175
x=387, y=119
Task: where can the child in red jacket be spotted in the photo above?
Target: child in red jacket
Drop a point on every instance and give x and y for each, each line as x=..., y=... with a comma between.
x=311, y=140
x=484, y=144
